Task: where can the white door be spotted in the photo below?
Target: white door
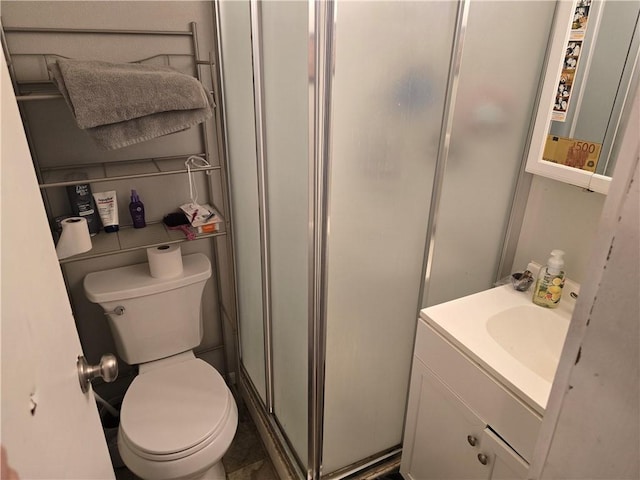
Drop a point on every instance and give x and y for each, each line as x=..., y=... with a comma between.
x=50, y=429
x=507, y=464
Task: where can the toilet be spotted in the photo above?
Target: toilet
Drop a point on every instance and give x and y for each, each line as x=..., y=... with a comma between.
x=178, y=416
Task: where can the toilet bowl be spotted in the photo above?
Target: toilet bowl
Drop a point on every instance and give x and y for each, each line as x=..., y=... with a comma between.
x=177, y=421
x=178, y=417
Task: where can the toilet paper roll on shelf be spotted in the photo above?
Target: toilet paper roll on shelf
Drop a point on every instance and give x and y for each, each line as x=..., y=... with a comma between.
x=165, y=261
x=75, y=238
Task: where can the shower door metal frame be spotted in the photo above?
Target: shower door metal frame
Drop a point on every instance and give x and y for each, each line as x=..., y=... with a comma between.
x=453, y=80
x=321, y=28
x=321, y=43
x=321, y=15
x=267, y=415
x=263, y=198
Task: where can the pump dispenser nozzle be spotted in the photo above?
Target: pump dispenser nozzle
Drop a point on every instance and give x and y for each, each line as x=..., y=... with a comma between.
x=555, y=263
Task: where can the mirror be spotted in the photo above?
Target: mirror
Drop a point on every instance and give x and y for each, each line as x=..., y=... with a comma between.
x=592, y=70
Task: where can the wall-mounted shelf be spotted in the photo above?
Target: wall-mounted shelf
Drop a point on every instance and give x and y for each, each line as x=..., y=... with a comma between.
x=99, y=172
x=129, y=239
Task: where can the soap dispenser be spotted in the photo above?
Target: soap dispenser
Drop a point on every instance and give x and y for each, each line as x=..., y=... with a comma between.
x=550, y=282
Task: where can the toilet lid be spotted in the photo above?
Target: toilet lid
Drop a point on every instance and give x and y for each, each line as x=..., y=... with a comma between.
x=174, y=408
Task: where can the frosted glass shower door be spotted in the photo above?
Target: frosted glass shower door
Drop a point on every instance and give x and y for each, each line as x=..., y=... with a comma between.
x=284, y=28
x=238, y=78
x=502, y=59
x=389, y=86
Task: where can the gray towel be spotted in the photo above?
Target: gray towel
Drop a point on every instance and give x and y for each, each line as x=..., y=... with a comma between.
x=123, y=104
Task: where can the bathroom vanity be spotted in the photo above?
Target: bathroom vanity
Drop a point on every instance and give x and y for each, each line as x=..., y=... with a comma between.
x=482, y=371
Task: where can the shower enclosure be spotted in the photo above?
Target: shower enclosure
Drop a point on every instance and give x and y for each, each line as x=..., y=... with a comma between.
x=375, y=153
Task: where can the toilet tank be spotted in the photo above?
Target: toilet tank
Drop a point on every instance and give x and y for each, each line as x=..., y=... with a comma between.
x=161, y=316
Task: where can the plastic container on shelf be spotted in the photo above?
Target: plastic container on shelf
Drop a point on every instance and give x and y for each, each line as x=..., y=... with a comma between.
x=136, y=208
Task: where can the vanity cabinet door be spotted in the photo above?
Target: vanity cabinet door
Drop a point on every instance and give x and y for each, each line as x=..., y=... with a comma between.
x=507, y=464
x=443, y=437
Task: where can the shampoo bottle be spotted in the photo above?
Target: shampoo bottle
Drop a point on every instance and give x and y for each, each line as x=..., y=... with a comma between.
x=550, y=282
x=136, y=208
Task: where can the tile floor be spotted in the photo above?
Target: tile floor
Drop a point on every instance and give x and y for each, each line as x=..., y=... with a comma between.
x=246, y=459
x=391, y=476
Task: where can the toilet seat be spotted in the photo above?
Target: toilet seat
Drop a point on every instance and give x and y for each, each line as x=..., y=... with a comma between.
x=175, y=411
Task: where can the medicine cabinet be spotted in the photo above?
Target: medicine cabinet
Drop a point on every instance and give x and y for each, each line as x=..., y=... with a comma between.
x=587, y=87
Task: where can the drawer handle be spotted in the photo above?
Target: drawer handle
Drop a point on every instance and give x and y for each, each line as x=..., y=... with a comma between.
x=473, y=441
x=483, y=459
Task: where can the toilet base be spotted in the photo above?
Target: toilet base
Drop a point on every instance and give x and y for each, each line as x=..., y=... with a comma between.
x=214, y=473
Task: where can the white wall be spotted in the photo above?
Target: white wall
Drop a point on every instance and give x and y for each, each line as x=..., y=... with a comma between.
x=561, y=216
x=58, y=141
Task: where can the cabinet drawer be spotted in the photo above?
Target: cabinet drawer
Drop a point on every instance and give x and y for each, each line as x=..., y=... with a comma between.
x=494, y=404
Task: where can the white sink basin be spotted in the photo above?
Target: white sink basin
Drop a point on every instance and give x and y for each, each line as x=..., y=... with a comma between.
x=515, y=341
x=532, y=335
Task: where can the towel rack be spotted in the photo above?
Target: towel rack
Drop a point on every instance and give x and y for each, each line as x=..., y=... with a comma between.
x=130, y=239
x=33, y=96
x=43, y=89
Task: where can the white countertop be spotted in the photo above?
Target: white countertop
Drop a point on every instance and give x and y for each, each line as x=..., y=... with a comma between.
x=465, y=321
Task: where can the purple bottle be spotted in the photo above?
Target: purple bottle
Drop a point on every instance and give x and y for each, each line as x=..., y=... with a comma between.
x=136, y=208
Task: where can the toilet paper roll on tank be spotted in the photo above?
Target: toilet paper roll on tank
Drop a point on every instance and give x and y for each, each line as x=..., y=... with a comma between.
x=75, y=237
x=165, y=261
